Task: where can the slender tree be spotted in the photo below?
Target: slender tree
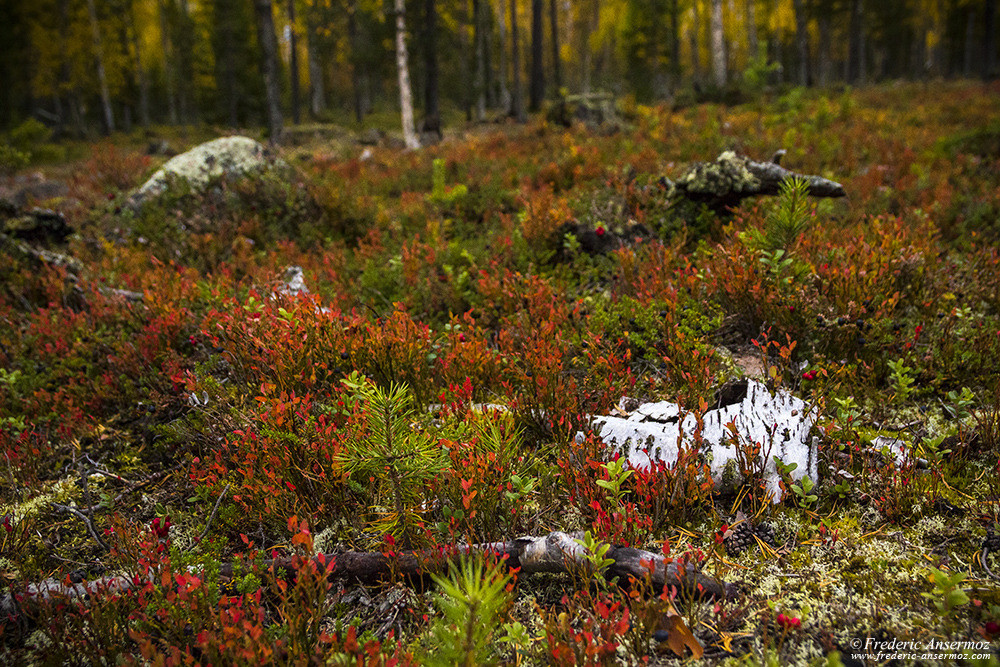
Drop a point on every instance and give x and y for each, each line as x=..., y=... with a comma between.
x=718, y=45
x=403, y=72
x=505, y=98
x=515, y=61
x=537, y=88
x=269, y=66
x=479, y=33
x=317, y=91
x=855, y=43
x=357, y=75
x=823, y=55
x=169, y=63
x=989, y=39
x=751, y=26
x=102, y=79
x=293, y=62
x=142, y=79
x=556, y=56
x=693, y=42
x=432, y=95
x=801, y=42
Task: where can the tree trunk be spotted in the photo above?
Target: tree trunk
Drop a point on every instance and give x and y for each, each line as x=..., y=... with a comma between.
x=479, y=40
x=432, y=113
x=269, y=66
x=693, y=39
x=537, y=56
x=675, y=41
x=293, y=62
x=970, y=45
x=184, y=53
x=825, y=69
x=515, y=62
x=357, y=77
x=505, y=99
x=801, y=43
x=718, y=45
x=102, y=79
x=140, y=71
x=989, y=39
x=556, y=58
x=226, y=31
x=403, y=70
x=855, y=47
x=168, y=64
x=317, y=91
x=751, y=18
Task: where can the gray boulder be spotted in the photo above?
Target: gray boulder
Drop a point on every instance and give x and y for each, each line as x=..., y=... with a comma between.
x=225, y=157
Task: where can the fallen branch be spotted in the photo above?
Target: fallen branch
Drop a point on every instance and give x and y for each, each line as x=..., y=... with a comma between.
x=731, y=178
x=556, y=552
x=87, y=520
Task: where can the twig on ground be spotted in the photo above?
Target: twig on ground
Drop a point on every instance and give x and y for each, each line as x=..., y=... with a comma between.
x=86, y=520
x=982, y=557
x=211, y=517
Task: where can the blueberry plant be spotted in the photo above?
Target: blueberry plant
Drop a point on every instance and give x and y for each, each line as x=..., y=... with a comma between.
x=200, y=443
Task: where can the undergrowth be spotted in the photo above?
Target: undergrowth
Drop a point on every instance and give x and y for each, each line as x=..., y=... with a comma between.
x=469, y=308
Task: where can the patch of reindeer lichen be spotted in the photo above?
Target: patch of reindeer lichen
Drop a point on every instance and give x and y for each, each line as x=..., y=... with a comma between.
x=727, y=174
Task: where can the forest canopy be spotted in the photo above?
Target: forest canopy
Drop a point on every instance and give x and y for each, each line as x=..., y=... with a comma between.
x=87, y=66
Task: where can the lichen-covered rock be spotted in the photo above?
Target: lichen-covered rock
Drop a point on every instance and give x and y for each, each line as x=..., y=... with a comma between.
x=779, y=422
x=228, y=156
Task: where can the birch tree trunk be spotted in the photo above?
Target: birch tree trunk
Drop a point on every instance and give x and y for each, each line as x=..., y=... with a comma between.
x=102, y=79
x=718, y=45
x=403, y=68
x=269, y=65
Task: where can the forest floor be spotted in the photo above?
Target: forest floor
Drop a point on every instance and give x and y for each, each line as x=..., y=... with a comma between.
x=167, y=411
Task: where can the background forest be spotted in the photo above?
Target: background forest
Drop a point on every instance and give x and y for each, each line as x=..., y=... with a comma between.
x=105, y=65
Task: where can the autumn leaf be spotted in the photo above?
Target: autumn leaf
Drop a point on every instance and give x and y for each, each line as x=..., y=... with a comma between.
x=675, y=635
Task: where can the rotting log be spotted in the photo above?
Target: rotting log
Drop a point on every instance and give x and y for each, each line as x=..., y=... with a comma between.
x=731, y=178
x=557, y=552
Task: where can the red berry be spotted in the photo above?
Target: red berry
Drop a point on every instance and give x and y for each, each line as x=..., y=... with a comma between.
x=600, y=230
x=782, y=619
